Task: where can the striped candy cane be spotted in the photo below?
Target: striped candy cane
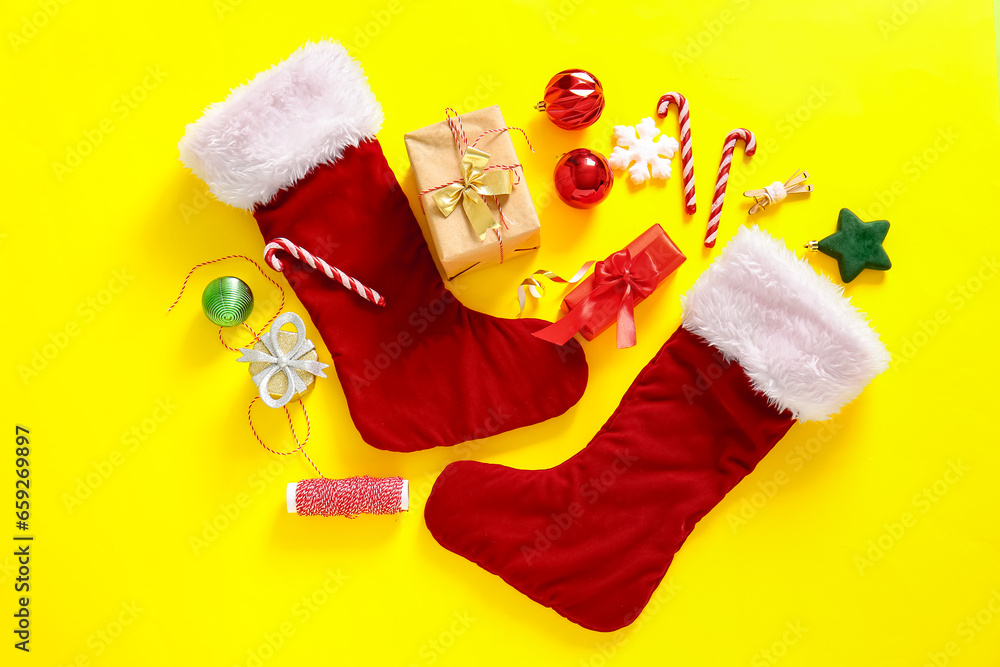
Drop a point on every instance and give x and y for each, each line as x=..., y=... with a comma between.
x=332, y=272
x=687, y=158
x=750, y=142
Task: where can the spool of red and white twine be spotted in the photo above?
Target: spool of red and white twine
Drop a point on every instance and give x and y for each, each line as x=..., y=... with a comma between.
x=687, y=157
x=348, y=497
x=750, y=142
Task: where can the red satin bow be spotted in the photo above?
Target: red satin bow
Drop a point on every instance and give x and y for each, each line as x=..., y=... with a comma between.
x=620, y=277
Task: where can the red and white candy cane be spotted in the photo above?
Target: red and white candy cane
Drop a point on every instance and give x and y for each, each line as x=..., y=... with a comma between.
x=750, y=142
x=332, y=272
x=687, y=157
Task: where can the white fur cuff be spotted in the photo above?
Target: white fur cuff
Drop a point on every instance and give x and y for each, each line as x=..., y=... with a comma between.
x=273, y=130
x=797, y=337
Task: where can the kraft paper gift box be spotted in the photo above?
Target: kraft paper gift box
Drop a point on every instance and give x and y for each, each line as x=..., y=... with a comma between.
x=437, y=161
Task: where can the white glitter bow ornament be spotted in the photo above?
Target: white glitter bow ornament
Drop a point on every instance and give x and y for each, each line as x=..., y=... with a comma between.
x=280, y=362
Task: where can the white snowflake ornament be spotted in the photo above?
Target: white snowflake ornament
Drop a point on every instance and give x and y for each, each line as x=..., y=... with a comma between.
x=637, y=145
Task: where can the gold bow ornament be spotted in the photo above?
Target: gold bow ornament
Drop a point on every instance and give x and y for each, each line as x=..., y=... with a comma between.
x=476, y=183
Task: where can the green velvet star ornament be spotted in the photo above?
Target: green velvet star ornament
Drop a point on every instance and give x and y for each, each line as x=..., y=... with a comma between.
x=856, y=245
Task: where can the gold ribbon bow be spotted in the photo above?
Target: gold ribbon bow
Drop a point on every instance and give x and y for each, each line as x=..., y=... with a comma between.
x=476, y=183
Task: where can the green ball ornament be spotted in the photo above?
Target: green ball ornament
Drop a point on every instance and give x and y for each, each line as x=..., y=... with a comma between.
x=227, y=301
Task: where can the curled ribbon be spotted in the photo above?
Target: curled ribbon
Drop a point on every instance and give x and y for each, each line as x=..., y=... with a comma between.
x=620, y=274
x=280, y=362
x=532, y=285
x=476, y=183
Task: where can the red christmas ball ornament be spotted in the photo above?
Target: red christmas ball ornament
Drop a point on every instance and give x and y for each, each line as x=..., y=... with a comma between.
x=583, y=178
x=574, y=99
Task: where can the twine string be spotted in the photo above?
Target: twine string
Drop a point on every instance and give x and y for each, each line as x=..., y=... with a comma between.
x=256, y=336
x=300, y=446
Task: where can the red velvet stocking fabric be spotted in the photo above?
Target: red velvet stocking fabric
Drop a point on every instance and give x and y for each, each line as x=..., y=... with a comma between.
x=424, y=371
x=593, y=536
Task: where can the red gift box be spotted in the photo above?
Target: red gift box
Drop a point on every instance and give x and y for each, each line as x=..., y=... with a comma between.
x=617, y=284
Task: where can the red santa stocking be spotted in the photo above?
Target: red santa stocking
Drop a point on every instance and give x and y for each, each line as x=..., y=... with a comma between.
x=296, y=146
x=765, y=341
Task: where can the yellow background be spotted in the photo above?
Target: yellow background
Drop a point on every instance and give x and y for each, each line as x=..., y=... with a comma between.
x=891, y=106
